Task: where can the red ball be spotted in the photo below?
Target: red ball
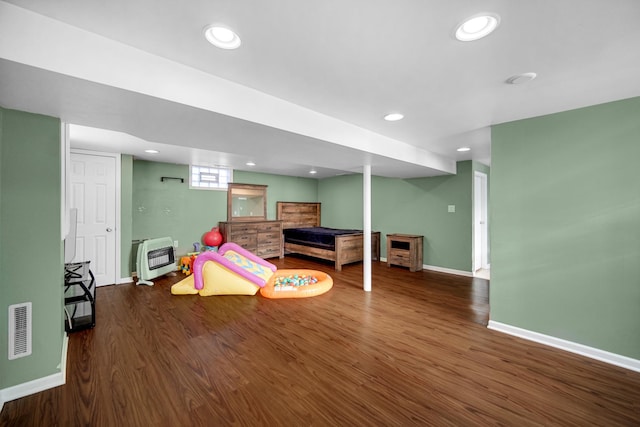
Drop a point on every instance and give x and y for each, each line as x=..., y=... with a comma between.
x=213, y=237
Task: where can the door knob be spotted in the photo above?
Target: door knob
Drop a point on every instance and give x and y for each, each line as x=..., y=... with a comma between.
x=109, y=229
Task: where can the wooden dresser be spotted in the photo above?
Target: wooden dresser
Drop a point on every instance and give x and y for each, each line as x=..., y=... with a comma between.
x=263, y=238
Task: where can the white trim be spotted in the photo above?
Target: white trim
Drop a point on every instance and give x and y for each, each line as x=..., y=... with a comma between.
x=64, y=184
x=45, y=43
x=39, y=384
x=122, y=280
x=448, y=270
x=440, y=269
x=484, y=252
x=583, y=350
x=366, y=220
x=225, y=188
x=63, y=358
x=118, y=160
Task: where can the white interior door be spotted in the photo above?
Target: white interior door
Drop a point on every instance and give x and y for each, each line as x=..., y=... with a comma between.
x=93, y=193
x=480, y=222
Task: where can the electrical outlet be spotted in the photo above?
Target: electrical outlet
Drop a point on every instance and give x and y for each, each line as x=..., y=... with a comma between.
x=451, y=208
x=175, y=243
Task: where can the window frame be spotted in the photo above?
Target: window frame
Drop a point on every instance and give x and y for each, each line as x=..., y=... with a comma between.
x=221, y=185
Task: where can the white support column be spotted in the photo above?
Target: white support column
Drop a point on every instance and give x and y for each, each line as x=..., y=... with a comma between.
x=366, y=210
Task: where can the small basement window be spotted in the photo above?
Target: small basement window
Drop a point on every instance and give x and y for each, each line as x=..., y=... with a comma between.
x=209, y=178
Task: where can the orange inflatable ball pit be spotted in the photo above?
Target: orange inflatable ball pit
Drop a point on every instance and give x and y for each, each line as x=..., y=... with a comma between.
x=297, y=284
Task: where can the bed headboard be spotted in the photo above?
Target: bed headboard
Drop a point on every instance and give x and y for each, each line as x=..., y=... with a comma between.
x=298, y=214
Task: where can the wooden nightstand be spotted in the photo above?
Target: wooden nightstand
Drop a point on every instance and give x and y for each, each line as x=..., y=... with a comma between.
x=405, y=250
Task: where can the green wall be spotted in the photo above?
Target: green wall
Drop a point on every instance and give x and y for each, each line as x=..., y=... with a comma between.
x=280, y=188
x=341, y=199
x=565, y=214
x=170, y=208
x=410, y=206
x=31, y=255
x=415, y=206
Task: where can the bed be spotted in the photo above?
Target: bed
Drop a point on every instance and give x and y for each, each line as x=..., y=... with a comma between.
x=303, y=235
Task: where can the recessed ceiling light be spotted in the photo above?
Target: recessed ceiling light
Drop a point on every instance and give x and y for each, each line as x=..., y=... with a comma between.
x=394, y=117
x=222, y=37
x=477, y=26
x=518, y=79
x=463, y=149
x=151, y=151
x=250, y=164
x=313, y=171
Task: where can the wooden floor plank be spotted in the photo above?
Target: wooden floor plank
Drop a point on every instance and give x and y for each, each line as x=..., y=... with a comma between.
x=414, y=351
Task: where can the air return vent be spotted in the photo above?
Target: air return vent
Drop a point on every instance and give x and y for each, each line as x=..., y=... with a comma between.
x=19, y=330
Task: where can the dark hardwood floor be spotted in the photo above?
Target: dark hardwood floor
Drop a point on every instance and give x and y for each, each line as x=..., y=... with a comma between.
x=414, y=351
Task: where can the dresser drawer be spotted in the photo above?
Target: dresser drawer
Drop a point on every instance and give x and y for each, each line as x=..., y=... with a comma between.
x=262, y=238
x=237, y=234
x=264, y=227
x=243, y=228
x=269, y=238
x=270, y=244
x=268, y=251
x=245, y=240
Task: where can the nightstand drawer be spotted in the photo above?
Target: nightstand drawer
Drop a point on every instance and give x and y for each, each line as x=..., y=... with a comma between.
x=400, y=255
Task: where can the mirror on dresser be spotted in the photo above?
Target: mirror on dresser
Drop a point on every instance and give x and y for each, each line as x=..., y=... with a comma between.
x=246, y=202
x=247, y=223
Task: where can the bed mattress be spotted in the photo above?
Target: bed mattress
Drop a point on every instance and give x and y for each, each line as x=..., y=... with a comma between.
x=319, y=237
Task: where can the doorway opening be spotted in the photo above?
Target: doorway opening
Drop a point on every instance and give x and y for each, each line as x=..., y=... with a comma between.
x=94, y=190
x=481, y=265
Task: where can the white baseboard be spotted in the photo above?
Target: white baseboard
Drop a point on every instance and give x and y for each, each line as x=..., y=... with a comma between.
x=39, y=384
x=63, y=358
x=448, y=270
x=440, y=269
x=124, y=280
x=583, y=350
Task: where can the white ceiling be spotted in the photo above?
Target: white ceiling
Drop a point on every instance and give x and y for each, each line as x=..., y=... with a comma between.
x=312, y=80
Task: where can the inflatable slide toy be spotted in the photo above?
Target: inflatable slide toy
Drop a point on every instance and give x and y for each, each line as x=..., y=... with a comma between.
x=230, y=271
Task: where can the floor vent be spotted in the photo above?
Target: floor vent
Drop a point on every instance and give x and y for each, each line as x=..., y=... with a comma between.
x=19, y=330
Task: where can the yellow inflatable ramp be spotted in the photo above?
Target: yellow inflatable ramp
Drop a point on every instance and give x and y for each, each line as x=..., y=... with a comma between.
x=230, y=271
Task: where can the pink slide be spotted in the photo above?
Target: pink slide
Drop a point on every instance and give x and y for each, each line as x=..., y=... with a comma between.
x=237, y=260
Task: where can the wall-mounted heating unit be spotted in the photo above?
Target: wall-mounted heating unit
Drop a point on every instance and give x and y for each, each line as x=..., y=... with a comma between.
x=155, y=258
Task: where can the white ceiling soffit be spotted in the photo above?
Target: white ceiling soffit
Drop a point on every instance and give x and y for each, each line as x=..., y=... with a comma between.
x=318, y=76
x=133, y=83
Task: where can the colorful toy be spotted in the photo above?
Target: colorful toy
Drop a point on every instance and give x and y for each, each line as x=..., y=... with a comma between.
x=186, y=263
x=212, y=238
x=230, y=271
x=235, y=271
x=297, y=284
